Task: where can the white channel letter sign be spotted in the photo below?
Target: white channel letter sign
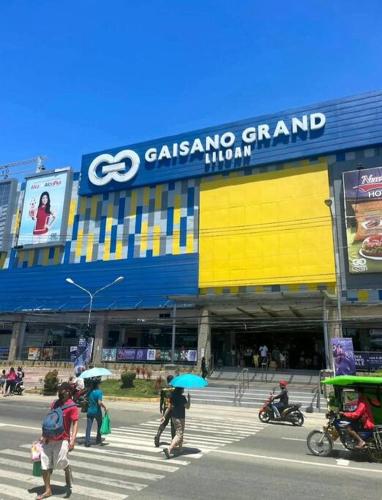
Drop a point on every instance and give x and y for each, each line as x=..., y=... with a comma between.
x=115, y=167
x=215, y=148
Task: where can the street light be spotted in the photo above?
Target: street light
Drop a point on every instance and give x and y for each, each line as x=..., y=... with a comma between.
x=92, y=295
x=330, y=204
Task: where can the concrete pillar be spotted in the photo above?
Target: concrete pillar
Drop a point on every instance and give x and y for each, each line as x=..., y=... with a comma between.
x=17, y=340
x=101, y=332
x=332, y=329
x=204, y=338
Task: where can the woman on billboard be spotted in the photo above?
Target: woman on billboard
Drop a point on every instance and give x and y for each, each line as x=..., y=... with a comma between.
x=43, y=214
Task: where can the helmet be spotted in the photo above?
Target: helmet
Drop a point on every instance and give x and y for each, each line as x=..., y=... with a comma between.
x=283, y=383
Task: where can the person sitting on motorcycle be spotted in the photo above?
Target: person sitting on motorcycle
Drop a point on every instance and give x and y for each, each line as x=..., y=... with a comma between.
x=362, y=420
x=283, y=397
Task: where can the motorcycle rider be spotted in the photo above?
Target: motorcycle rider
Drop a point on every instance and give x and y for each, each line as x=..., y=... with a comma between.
x=283, y=400
x=362, y=420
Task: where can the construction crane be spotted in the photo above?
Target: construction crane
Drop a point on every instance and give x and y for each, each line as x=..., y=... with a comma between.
x=38, y=161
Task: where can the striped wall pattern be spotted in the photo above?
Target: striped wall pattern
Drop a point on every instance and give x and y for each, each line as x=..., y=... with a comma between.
x=144, y=222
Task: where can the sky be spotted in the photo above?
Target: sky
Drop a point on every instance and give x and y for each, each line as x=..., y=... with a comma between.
x=84, y=75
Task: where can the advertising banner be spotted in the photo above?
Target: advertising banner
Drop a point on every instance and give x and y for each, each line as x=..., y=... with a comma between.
x=343, y=356
x=363, y=216
x=141, y=355
x=44, y=214
x=7, y=207
x=4, y=351
x=33, y=353
x=109, y=354
x=368, y=361
x=151, y=354
x=125, y=354
x=83, y=354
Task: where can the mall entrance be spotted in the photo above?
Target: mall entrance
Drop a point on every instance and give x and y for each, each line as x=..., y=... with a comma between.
x=289, y=348
x=289, y=324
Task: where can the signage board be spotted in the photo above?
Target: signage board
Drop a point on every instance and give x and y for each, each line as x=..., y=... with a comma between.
x=363, y=217
x=45, y=210
x=8, y=190
x=280, y=137
x=368, y=360
x=343, y=356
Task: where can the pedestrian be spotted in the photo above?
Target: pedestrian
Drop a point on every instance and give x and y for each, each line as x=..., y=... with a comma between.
x=10, y=382
x=94, y=412
x=164, y=404
x=3, y=381
x=263, y=351
x=204, y=368
x=58, y=440
x=255, y=359
x=178, y=405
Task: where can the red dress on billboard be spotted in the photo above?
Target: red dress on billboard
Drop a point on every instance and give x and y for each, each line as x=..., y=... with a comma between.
x=42, y=219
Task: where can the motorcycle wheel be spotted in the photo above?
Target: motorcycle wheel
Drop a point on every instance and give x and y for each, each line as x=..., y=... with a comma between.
x=297, y=418
x=319, y=443
x=375, y=455
x=264, y=416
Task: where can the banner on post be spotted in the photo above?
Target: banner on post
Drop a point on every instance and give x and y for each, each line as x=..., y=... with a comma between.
x=343, y=356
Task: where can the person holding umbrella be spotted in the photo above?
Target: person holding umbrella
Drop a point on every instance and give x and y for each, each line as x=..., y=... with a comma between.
x=94, y=412
x=177, y=409
x=178, y=405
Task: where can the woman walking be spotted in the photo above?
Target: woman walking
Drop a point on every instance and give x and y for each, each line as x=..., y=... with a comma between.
x=94, y=412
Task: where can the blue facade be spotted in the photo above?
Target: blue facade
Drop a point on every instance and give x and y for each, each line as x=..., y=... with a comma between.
x=147, y=284
x=350, y=123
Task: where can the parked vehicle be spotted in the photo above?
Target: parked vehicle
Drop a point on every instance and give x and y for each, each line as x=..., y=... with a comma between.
x=321, y=442
x=291, y=413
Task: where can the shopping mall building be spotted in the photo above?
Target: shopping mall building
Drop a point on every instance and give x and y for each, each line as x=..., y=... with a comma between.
x=266, y=230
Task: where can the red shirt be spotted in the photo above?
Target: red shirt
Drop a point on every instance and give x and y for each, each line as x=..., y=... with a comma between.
x=363, y=414
x=41, y=221
x=70, y=415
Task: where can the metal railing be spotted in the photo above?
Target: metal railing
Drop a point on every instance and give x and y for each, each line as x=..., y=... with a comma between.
x=240, y=388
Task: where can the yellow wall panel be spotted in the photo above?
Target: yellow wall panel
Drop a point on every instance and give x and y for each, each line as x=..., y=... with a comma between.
x=265, y=229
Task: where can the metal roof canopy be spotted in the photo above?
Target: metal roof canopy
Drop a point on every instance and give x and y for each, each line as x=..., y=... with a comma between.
x=254, y=311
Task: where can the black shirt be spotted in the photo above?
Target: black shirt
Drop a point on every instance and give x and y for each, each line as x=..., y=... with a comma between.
x=283, y=397
x=178, y=403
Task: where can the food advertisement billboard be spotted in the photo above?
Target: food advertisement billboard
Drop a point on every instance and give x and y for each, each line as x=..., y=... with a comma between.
x=363, y=216
x=44, y=213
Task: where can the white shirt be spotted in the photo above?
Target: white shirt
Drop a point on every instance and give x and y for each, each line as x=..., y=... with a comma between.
x=263, y=351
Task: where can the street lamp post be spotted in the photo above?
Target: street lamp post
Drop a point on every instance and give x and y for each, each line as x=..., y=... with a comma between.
x=92, y=295
x=330, y=204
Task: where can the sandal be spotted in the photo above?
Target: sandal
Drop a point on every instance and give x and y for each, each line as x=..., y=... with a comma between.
x=360, y=446
x=44, y=495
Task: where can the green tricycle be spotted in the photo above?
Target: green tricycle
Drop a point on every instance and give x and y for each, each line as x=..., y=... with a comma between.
x=345, y=398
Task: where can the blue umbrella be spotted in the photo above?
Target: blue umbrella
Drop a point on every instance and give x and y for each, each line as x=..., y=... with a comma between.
x=95, y=372
x=189, y=381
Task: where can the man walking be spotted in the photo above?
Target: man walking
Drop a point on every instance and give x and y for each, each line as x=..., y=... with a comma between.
x=178, y=405
x=59, y=434
x=164, y=404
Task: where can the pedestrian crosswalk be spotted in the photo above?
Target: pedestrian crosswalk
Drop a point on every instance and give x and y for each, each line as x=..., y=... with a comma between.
x=127, y=462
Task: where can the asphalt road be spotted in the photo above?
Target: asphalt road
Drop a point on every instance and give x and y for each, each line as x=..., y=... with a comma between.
x=229, y=454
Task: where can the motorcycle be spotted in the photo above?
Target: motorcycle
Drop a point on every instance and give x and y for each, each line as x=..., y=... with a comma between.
x=320, y=443
x=291, y=413
x=18, y=388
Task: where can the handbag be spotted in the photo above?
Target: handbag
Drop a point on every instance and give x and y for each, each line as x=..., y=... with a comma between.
x=105, y=426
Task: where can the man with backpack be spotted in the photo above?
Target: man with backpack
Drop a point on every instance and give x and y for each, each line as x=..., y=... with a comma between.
x=59, y=431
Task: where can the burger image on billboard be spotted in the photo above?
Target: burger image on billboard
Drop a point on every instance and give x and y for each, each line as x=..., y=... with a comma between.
x=372, y=247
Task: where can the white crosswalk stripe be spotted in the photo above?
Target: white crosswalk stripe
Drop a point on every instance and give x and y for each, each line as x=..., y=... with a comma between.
x=127, y=463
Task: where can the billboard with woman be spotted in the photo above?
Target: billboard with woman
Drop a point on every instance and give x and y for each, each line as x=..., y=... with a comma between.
x=44, y=214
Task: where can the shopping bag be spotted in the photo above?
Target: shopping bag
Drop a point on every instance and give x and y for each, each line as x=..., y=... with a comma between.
x=36, y=451
x=105, y=426
x=37, y=469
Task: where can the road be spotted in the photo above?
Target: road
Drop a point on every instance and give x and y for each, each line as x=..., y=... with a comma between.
x=229, y=455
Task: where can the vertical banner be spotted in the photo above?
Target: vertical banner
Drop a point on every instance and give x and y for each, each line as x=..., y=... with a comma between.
x=83, y=355
x=343, y=356
x=363, y=215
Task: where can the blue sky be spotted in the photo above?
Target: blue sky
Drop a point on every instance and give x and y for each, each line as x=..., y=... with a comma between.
x=81, y=76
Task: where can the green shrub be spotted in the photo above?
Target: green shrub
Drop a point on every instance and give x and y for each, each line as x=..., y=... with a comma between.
x=51, y=383
x=127, y=379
